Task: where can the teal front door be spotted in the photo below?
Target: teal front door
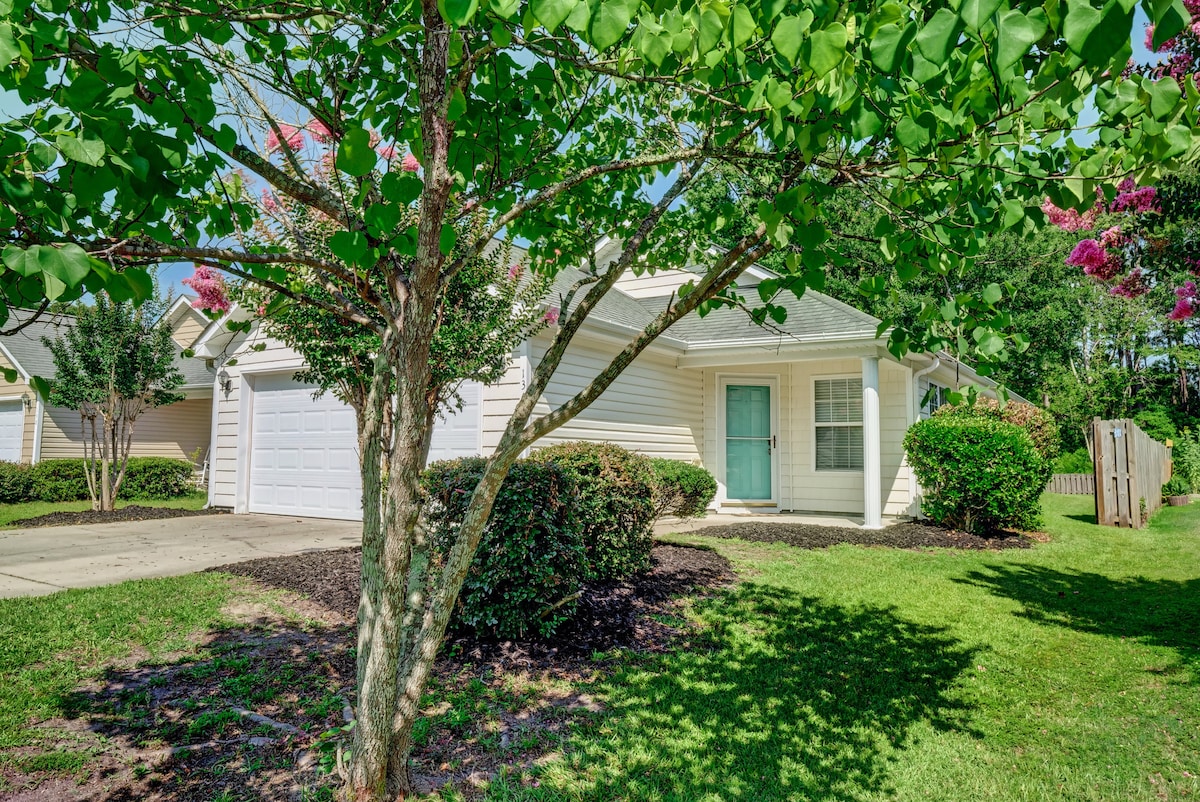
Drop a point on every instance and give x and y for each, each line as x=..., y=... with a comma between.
x=748, y=442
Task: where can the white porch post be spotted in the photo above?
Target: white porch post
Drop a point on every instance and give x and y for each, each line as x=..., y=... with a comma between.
x=872, y=483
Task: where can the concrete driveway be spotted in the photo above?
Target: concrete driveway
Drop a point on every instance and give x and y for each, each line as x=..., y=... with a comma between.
x=34, y=562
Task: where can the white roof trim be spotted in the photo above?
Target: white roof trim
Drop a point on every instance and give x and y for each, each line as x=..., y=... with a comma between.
x=13, y=361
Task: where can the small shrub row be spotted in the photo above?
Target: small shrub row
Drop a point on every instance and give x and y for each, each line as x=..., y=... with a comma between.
x=568, y=514
x=978, y=473
x=55, y=480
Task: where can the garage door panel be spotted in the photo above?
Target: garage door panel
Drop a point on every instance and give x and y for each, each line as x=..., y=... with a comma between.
x=304, y=451
x=12, y=430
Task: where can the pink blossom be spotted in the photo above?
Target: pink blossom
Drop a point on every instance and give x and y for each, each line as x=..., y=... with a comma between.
x=292, y=136
x=320, y=131
x=551, y=316
x=209, y=286
x=1138, y=201
x=1088, y=254
x=1069, y=219
x=1187, y=303
x=261, y=311
x=386, y=151
x=1112, y=237
x=514, y=272
x=409, y=164
x=1132, y=285
x=268, y=202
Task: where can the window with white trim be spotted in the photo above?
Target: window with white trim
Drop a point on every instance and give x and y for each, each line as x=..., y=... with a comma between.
x=837, y=407
x=937, y=396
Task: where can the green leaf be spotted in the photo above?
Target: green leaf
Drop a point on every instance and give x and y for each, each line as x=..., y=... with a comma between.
x=828, y=48
x=939, y=36
x=140, y=283
x=711, y=28
x=10, y=375
x=1015, y=34
x=889, y=46
x=889, y=247
x=355, y=155
x=40, y=386
x=552, y=13
x=447, y=239
x=992, y=294
x=788, y=36
x=76, y=149
x=349, y=246
x=990, y=343
x=458, y=12
x=1169, y=18
x=457, y=105
x=976, y=13
x=9, y=49
x=911, y=134
x=742, y=26
x=610, y=20
x=1081, y=21
x=1164, y=95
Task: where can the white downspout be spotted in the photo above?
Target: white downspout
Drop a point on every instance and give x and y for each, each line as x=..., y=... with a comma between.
x=914, y=489
x=937, y=363
x=38, y=424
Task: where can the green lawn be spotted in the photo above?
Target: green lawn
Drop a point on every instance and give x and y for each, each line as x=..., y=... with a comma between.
x=32, y=509
x=1066, y=672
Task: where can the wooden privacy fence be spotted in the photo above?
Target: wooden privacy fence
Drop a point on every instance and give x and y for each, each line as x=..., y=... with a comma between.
x=1131, y=468
x=1073, y=484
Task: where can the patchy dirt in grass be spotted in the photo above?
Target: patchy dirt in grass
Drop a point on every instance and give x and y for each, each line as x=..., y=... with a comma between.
x=256, y=712
x=900, y=536
x=133, y=512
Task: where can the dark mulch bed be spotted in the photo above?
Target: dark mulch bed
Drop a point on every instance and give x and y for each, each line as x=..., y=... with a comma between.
x=131, y=513
x=901, y=536
x=610, y=615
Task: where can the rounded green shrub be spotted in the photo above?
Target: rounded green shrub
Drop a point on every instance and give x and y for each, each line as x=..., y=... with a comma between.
x=1038, y=423
x=1176, y=486
x=56, y=480
x=1185, y=457
x=681, y=489
x=978, y=474
x=15, y=482
x=528, y=571
x=156, y=478
x=615, y=502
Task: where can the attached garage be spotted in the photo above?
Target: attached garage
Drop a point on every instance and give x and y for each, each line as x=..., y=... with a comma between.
x=303, y=454
x=12, y=430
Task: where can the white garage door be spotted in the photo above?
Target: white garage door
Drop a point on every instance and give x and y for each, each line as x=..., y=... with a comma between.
x=12, y=430
x=304, y=452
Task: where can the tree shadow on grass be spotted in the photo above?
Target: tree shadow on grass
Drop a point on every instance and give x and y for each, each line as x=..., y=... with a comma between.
x=1158, y=612
x=782, y=697
x=1087, y=518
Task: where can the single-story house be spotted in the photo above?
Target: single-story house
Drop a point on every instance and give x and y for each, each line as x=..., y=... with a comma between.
x=31, y=430
x=807, y=416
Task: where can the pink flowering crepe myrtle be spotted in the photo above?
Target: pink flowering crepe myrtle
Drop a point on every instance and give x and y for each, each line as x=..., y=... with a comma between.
x=1103, y=257
x=293, y=136
x=209, y=286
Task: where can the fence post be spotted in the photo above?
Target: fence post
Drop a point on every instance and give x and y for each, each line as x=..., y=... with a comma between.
x=1101, y=471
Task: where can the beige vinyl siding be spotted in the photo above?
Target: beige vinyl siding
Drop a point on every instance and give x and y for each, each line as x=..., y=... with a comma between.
x=653, y=407
x=894, y=420
x=176, y=431
x=188, y=330
x=654, y=285
x=21, y=389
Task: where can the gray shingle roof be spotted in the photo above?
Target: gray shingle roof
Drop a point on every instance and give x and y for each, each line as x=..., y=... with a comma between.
x=35, y=358
x=811, y=318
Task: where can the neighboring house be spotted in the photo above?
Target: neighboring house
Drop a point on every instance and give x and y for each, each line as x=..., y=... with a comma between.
x=808, y=416
x=31, y=430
